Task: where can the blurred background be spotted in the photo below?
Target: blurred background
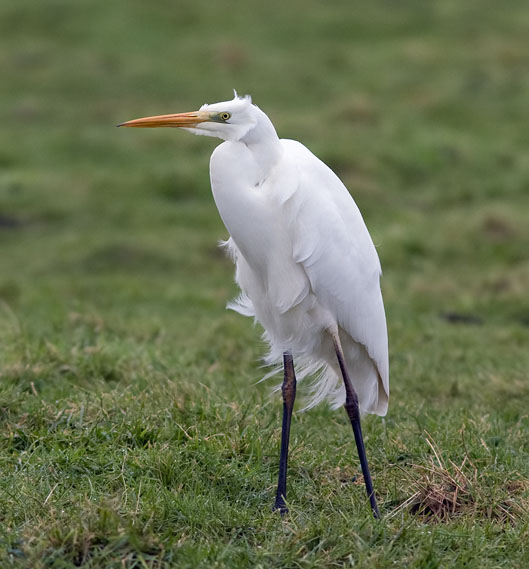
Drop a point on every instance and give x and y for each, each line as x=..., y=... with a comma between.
x=419, y=107
x=113, y=330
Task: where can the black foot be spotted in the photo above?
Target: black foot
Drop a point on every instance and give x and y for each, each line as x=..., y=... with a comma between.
x=280, y=507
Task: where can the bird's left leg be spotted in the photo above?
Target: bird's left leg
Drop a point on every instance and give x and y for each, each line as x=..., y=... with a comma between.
x=353, y=411
x=289, y=395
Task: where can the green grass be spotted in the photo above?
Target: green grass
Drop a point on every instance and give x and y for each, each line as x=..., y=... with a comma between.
x=132, y=431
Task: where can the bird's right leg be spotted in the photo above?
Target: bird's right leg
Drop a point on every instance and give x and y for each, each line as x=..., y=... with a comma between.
x=353, y=412
x=289, y=395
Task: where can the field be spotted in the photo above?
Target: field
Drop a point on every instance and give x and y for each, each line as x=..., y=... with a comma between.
x=133, y=432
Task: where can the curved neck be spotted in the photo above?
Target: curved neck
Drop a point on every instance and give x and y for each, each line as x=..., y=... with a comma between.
x=263, y=143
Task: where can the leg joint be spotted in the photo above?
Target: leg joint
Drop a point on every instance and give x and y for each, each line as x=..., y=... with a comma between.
x=289, y=391
x=351, y=405
x=289, y=381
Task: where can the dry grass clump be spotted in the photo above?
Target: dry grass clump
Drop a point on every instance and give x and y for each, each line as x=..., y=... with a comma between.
x=444, y=490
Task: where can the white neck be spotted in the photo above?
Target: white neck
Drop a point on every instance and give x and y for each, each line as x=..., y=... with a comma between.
x=263, y=143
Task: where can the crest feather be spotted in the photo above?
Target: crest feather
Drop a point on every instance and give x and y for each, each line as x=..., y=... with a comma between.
x=247, y=98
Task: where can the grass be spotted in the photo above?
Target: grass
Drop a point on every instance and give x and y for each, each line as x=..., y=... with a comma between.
x=133, y=433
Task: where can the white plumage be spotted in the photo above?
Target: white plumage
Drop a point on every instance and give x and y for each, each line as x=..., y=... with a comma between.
x=306, y=265
x=305, y=262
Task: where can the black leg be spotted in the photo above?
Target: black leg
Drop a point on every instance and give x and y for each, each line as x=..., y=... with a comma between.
x=351, y=406
x=289, y=395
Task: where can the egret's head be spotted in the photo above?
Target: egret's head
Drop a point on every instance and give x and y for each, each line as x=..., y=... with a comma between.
x=230, y=120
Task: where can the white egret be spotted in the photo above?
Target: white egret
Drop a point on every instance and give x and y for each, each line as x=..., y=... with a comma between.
x=305, y=263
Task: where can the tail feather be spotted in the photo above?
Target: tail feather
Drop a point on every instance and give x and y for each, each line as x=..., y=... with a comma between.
x=325, y=382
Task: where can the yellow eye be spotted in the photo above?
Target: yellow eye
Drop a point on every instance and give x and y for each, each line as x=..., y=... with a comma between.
x=224, y=116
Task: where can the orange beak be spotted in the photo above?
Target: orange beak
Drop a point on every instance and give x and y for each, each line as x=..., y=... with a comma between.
x=179, y=120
